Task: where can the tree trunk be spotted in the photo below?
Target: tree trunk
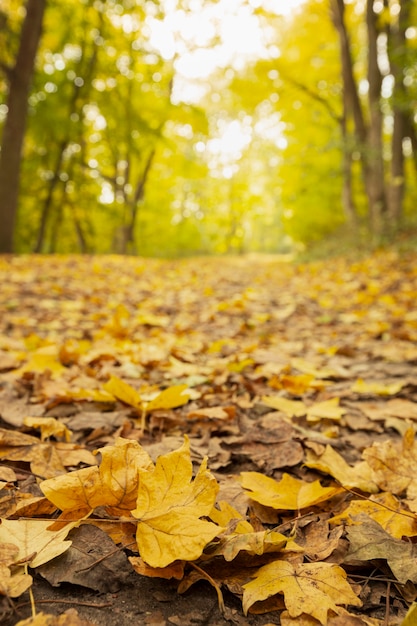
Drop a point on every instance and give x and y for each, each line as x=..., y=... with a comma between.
x=376, y=188
x=129, y=229
x=396, y=51
x=20, y=79
x=47, y=205
x=351, y=109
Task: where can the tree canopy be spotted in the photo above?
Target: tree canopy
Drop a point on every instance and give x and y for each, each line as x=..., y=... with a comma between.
x=108, y=147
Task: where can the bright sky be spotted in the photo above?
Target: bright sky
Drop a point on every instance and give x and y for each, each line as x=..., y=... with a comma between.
x=237, y=29
x=188, y=37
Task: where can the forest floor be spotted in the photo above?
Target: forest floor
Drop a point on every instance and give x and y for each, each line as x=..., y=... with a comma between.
x=298, y=384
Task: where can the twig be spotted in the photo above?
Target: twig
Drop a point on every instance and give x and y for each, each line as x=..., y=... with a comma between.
x=105, y=556
x=381, y=504
x=386, y=618
x=71, y=602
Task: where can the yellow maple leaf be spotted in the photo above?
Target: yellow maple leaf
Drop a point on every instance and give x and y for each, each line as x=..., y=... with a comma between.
x=49, y=427
x=311, y=588
x=292, y=408
x=113, y=484
x=123, y=391
x=169, y=507
x=331, y=462
x=288, y=494
x=329, y=409
x=169, y=398
x=377, y=388
x=36, y=543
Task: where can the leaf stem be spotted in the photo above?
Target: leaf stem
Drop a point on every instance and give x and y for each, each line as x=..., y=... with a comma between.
x=213, y=583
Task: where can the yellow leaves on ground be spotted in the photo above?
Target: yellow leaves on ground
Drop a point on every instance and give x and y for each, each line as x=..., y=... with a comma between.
x=328, y=409
x=169, y=507
x=35, y=542
x=46, y=358
x=44, y=458
x=311, y=588
x=49, y=427
x=395, y=467
x=169, y=398
x=69, y=618
x=254, y=543
x=287, y=494
x=331, y=462
x=12, y=585
x=164, y=499
x=113, y=484
x=384, y=509
x=292, y=408
x=124, y=392
x=376, y=388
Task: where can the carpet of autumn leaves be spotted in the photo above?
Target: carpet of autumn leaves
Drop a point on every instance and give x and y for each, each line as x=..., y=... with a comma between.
x=244, y=421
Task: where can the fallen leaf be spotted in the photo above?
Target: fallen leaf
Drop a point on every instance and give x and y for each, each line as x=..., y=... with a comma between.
x=169, y=507
x=411, y=617
x=288, y=494
x=329, y=409
x=35, y=542
x=69, y=618
x=292, y=408
x=395, y=466
x=377, y=388
x=16, y=583
x=385, y=509
x=360, y=476
x=174, y=570
x=42, y=456
x=169, y=398
x=227, y=516
x=92, y=561
x=254, y=543
x=295, y=385
x=124, y=392
x=113, y=484
x=370, y=542
x=213, y=413
x=311, y=588
x=49, y=427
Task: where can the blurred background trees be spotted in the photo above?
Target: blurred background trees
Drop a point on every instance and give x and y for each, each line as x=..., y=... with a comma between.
x=308, y=134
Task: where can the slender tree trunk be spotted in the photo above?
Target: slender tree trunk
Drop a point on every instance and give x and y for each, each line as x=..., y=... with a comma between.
x=397, y=43
x=377, y=194
x=348, y=201
x=352, y=109
x=20, y=78
x=369, y=136
x=47, y=205
x=129, y=229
